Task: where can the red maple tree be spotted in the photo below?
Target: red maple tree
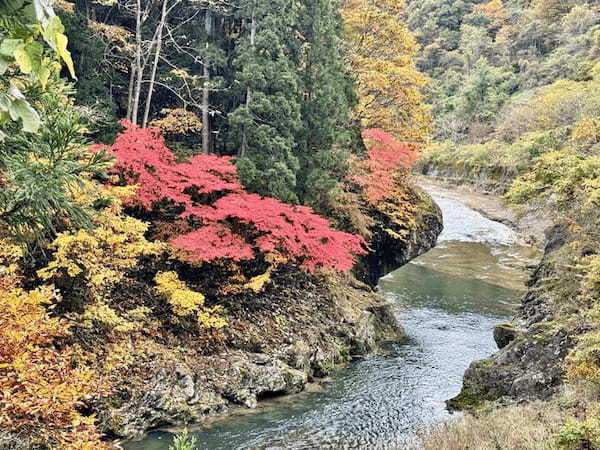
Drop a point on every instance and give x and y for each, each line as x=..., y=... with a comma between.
x=384, y=157
x=231, y=223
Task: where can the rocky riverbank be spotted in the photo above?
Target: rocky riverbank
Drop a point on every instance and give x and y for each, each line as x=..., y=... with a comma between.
x=529, y=363
x=295, y=331
x=540, y=388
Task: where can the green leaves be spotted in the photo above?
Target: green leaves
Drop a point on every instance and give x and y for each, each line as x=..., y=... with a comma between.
x=24, y=28
x=13, y=105
x=54, y=35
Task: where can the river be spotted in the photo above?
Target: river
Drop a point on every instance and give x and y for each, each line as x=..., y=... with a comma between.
x=448, y=302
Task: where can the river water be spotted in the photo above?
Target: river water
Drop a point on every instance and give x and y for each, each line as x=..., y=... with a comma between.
x=448, y=302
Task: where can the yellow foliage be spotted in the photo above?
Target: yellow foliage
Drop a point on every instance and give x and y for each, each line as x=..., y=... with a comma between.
x=401, y=207
x=178, y=122
x=119, y=37
x=587, y=132
x=186, y=302
x=101, y=312
x=10, y=254
x=258, y=282
x=102, y=256
x=382, y=53
x=494, y=11
x=583, y=363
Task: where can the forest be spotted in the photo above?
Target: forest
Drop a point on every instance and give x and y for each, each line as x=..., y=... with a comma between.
x=199, y=197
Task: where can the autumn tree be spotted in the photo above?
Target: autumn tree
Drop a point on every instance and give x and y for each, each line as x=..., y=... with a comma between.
x=42, y=389
x=495, y=12
x=377, y=173
x=225, y=222
x=42, y=148
x=381, y=51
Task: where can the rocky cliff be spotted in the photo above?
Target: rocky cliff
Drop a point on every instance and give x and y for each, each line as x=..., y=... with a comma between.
x=295, y=331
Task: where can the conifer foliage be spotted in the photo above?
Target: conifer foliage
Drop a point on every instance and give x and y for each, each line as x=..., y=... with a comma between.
x=230, y=222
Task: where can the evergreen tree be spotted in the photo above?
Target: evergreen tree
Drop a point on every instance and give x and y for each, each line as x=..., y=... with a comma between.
x=266, y=84
x=326, y=102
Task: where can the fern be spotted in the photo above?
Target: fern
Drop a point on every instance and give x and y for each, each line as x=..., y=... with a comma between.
x=183, y=441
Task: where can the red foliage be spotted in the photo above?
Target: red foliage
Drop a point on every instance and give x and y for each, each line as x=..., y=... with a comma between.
x=144, y=159
x=234, y=223
x=384, y=157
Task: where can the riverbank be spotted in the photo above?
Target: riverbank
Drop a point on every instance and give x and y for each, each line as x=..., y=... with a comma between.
x=295, y=331
x=534, y=391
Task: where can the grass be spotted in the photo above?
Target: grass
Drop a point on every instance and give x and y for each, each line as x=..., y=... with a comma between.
x=567, y=421
x=525, y=427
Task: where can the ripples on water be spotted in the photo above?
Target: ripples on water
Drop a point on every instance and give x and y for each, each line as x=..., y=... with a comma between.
x=448, y=302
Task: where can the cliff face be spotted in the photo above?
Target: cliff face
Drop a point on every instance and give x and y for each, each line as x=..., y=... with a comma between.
x=296, y=330
x=388, y=251
x=528, y=365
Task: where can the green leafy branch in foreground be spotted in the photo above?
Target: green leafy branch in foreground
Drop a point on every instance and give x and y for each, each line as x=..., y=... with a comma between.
x=26, y=28
x=183, y=441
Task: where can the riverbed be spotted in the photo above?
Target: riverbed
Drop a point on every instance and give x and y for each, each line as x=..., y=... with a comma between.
x=448, y=301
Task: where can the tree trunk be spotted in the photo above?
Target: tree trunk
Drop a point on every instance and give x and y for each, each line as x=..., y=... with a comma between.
x=138, y=62
x=163, y=19
x=130, y=90
x=244, y=145
x=206, y=86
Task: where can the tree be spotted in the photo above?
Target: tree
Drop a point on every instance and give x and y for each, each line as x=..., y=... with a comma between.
x=263, y=126
x=385, y=157
x=44, y=159
x=484, y=92
x=326, y=102
x=228, y=223
x=495, y=12
x=382, y=52
x=40, y=171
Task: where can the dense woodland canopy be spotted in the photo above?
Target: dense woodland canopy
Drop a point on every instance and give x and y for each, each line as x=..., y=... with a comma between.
x=267, y=82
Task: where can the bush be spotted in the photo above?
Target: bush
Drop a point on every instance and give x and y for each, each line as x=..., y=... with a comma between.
x=228, y=222
x=42, y=388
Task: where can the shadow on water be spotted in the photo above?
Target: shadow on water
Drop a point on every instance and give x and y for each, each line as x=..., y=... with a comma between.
x=448, y=302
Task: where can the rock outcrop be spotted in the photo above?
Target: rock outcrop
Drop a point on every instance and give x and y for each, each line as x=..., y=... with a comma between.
x=389, y=252
x=528, y=364
x=341, y=321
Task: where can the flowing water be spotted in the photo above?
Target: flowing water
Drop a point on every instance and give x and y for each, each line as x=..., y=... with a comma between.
x=448, y=301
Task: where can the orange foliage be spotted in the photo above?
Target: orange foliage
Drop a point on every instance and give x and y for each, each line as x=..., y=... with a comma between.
x=495, y=12
x=41, y=390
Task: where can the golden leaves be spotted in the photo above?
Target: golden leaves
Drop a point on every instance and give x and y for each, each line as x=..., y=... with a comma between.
x=186, y=302
x=382, y=53
x=41, y=387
